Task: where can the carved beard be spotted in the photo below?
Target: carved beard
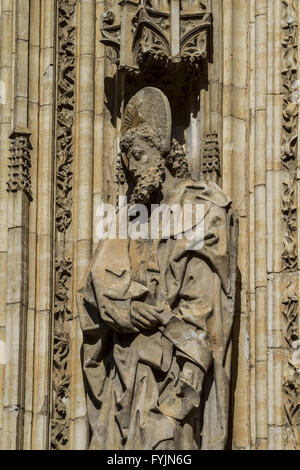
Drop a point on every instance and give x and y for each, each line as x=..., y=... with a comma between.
x=149, y=181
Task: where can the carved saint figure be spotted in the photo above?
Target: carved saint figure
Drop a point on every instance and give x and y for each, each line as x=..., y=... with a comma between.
x=157, y=314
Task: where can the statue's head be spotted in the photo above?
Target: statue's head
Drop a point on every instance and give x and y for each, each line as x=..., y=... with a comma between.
x=146, y=138
x=146, y=141
x=143, y=158
x=141, y=149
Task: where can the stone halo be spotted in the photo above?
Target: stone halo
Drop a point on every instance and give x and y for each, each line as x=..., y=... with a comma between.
x=150, y=106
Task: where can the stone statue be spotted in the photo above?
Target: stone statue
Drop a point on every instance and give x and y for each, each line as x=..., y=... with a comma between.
x=157, y=314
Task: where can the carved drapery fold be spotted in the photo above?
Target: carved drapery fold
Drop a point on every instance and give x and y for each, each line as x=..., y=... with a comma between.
x=290, y=301
x=66, y=52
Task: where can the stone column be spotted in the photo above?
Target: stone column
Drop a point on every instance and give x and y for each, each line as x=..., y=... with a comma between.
x=6, y=81
x=83, y=204
x=235, y=151
x=260, y=225
x=44, y=229
x=274, y=226
x=33, y=115
x=226, y=96
x=175, y=27
x=19, y=197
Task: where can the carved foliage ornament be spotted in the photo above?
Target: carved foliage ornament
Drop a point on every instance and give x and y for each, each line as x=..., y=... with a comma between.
x=65, y=112
x=289, y=129
x=291, y=390
x=66, y=52
x=61, y=349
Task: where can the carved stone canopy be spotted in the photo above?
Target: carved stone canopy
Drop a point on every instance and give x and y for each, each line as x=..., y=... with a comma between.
x=147, y=37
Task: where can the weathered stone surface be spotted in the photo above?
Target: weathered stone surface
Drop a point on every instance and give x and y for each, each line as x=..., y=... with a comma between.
x=68, y=69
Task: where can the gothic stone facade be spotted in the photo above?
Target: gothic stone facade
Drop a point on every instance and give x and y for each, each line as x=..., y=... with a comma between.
x=67, y=71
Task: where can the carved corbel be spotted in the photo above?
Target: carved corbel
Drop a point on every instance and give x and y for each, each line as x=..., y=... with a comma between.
x=20, y=162
x=211, y=164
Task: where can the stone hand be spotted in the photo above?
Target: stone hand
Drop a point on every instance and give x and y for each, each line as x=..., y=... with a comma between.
x=148, y=317
x=143, y=316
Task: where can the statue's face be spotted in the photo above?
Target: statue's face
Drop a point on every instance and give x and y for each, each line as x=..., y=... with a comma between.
x=141, y=156
x=146, y=166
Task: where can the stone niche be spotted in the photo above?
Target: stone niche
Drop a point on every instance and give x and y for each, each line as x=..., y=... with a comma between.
x=168, y=45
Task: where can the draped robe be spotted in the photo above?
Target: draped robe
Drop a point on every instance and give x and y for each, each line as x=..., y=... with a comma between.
x=169, y=388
